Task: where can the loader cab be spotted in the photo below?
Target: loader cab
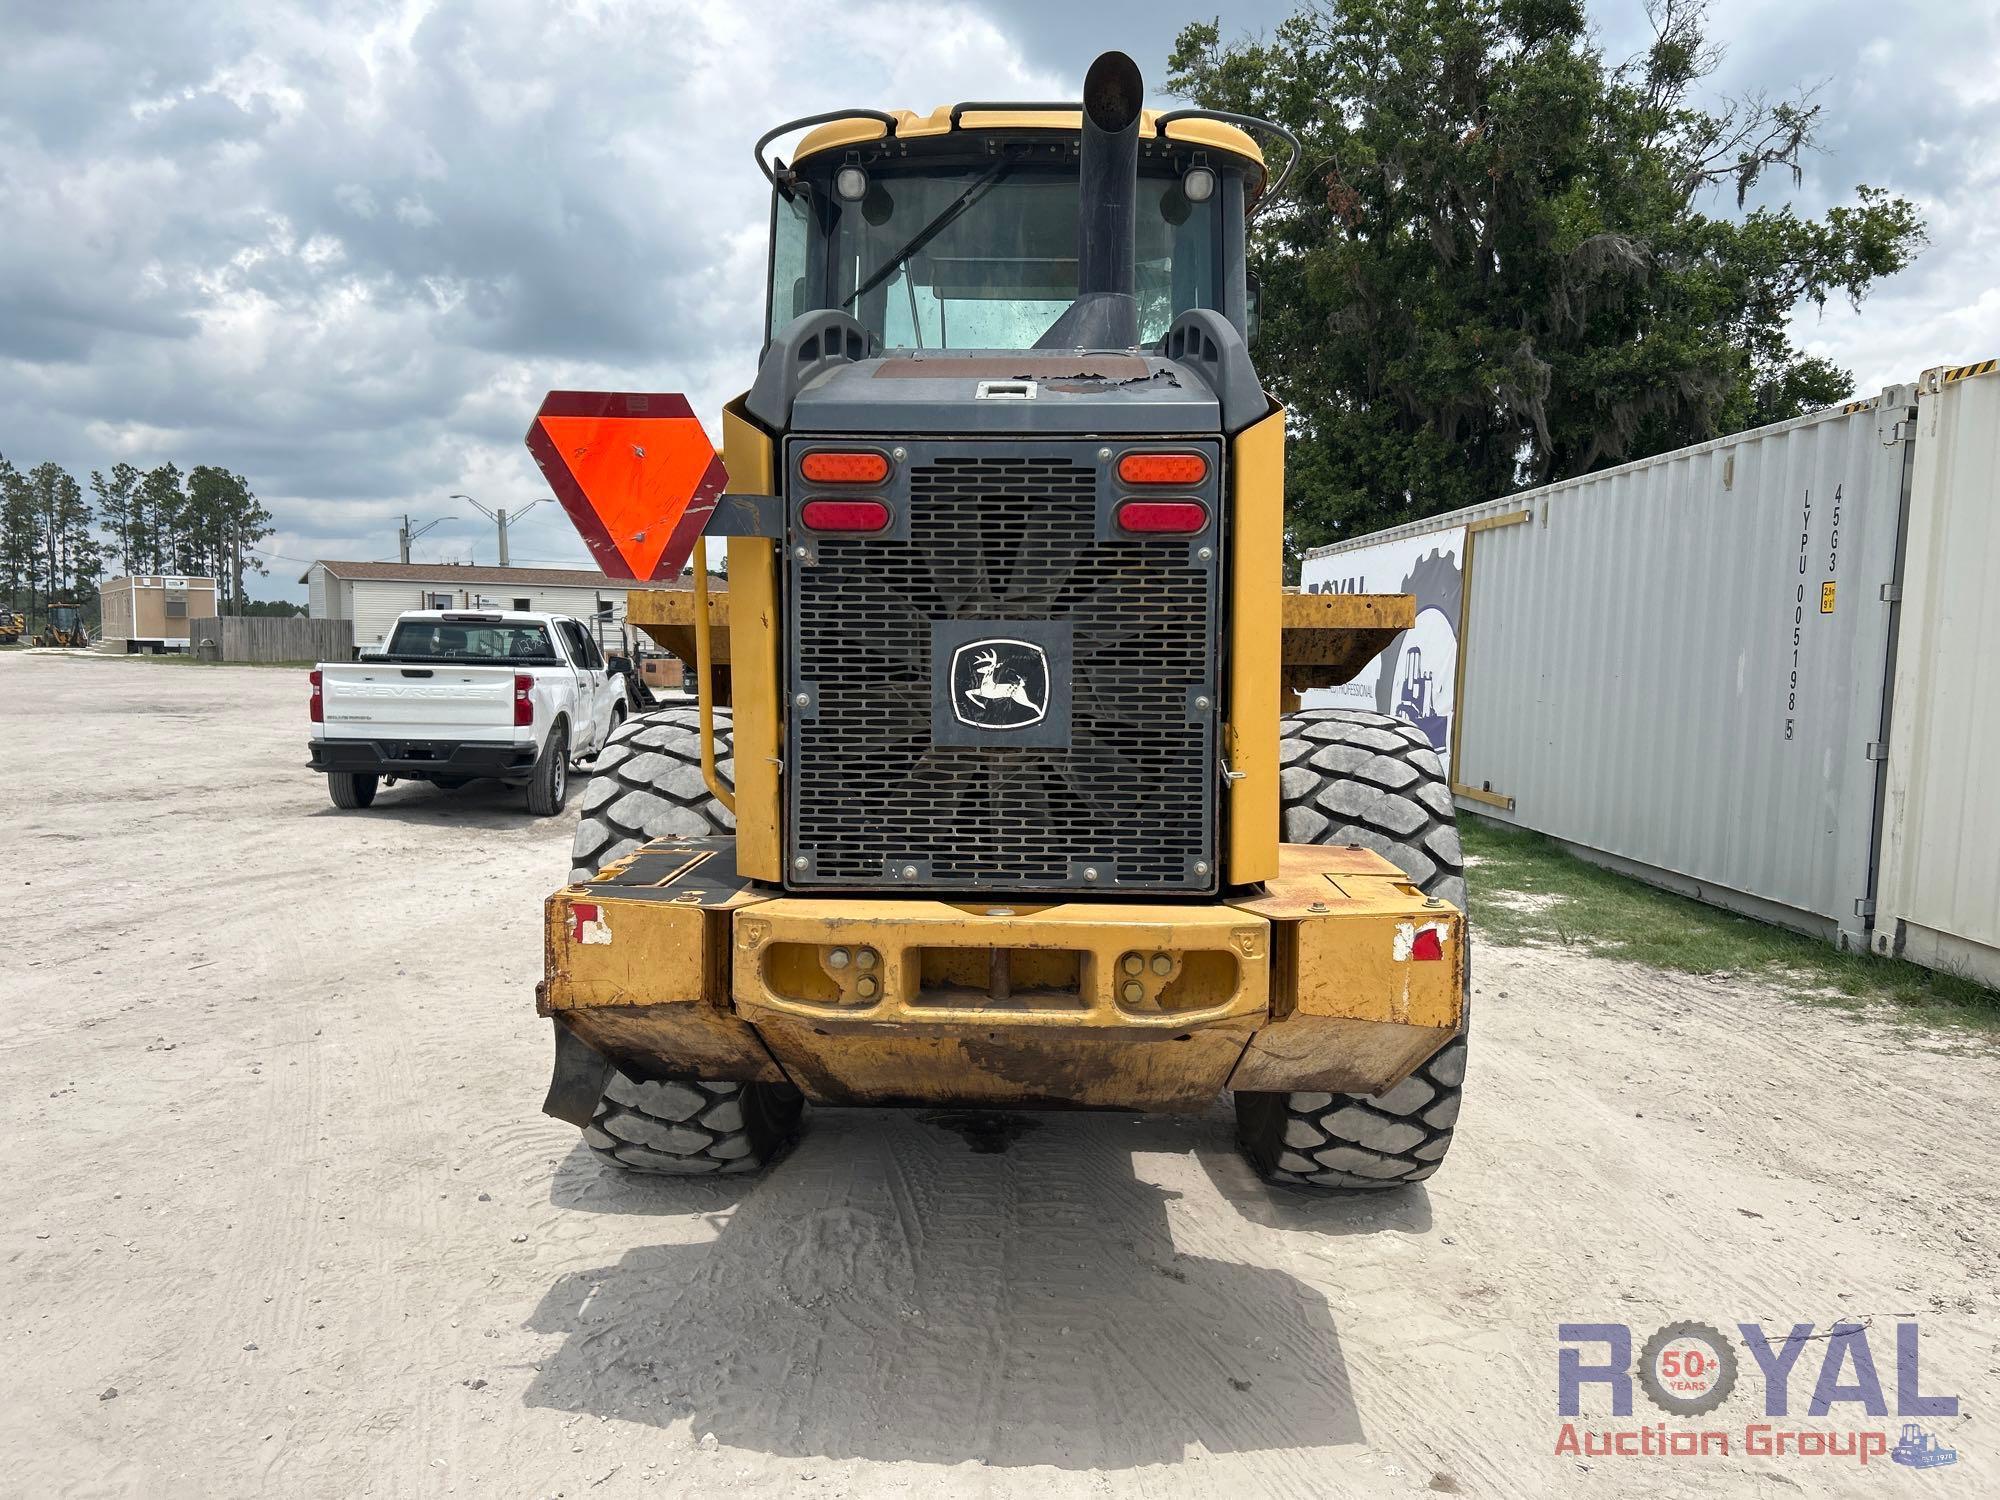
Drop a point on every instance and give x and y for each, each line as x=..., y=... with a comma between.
x=960, y=229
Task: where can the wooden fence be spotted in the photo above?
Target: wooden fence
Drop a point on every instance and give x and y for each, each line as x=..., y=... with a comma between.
x=270, y=638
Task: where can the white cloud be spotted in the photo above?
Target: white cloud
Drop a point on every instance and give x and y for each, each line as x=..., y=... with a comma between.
x=345, y=248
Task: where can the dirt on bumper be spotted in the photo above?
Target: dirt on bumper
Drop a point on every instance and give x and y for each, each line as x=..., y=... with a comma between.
x=1338, y=975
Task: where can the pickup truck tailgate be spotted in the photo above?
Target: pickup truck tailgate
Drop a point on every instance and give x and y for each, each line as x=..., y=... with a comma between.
x=368, y=701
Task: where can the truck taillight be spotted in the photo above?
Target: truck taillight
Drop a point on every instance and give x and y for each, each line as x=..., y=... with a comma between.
x=318, y=698
x=524, y=700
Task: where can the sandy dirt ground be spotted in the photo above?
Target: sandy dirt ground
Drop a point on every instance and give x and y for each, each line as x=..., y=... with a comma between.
x=279, y=1214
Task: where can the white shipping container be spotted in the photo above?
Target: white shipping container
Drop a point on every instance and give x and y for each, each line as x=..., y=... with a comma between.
x=1679, y=666
x=1939, y=892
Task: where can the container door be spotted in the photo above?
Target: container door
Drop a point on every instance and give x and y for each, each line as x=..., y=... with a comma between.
x=1939, y=901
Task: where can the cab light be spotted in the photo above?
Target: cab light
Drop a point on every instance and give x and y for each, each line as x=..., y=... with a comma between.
x=844, y=468
x=524, y=700
x=1163, y=468
x=318, y=698
x=844, y=515
x=1170, y=517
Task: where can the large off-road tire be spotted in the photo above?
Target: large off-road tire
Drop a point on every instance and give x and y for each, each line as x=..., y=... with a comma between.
x=351, y=789
x=1349, y=777
x=684, y=1128
x=647, y=783
x=548, y=785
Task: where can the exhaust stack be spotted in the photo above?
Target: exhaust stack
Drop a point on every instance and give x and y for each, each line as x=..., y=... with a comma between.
x=1105, y=314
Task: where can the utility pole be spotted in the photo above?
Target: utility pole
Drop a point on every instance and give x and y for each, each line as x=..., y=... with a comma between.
x=501, y=518
x=405, y=536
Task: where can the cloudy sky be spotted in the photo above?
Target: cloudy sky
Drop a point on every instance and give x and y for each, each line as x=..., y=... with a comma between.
x=343, y=248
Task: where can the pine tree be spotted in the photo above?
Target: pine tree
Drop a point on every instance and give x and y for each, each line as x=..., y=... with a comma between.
x=158, y=507
x=20, y=541
x=226, y=520
x=118, y=510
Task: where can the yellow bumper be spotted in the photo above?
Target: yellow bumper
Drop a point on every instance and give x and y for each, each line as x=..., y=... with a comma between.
x=1336, y=975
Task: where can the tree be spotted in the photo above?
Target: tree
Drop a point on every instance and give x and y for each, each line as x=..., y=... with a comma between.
x=224, y=520
x=117, y=509
x=1499, y=263
x=69, y=560
x=20, y=540
x=157, y=512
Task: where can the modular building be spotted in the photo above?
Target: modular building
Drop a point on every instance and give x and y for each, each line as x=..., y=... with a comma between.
x=1759, y=671
x=151, y=613
x=372, y=594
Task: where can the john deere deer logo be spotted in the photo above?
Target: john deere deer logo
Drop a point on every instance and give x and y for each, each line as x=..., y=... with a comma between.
x=999, y=684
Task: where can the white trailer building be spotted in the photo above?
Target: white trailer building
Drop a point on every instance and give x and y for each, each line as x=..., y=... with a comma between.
x=372, y=594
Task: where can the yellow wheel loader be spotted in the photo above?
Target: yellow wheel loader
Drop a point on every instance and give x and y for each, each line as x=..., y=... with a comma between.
x=1005, y=807
x=13, y=625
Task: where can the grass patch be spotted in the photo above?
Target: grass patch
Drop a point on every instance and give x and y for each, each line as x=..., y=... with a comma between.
x=1527, y=889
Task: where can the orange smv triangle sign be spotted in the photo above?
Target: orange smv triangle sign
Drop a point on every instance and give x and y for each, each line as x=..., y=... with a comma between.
x=636, y=473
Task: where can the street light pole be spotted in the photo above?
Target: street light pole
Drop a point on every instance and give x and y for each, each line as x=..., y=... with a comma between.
x=501, y=518
x=405, y=536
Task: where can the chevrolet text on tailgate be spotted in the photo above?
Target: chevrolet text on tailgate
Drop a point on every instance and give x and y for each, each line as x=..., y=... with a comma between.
x=458, y=695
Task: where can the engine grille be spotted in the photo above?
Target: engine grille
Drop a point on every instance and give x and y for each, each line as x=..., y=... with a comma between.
x=1003, y=538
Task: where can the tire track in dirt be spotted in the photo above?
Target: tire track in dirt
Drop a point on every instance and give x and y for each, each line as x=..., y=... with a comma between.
x=888, y=1309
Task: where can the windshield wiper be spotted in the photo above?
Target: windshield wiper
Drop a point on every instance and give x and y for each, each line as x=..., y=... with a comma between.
x=974, y=191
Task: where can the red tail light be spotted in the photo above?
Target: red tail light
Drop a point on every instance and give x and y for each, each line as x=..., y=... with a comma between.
x=844, y=515
x=524, y=700
x=318, y=698
x=1163, y=468
x=844, y=468
x=1428, y=945
x=1168, y=516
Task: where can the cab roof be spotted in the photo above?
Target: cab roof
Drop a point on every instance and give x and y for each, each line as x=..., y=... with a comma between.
x=1216, y=135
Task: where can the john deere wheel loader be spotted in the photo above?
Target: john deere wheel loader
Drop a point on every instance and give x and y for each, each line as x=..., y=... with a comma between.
x=1005, y=808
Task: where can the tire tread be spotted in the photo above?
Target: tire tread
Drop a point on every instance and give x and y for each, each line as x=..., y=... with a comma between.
x=1352, y=777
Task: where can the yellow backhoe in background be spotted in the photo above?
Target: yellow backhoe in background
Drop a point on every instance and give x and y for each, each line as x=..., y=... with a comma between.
x=63, y=626
x=998, y=791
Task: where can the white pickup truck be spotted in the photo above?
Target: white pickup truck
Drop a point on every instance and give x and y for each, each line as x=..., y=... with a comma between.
x=456, y=695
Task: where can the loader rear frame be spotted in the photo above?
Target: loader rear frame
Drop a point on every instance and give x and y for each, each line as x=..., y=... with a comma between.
x=882, y=898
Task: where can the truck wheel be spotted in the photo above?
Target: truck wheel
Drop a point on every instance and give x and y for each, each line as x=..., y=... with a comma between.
x=646, y=783
x=548, y=787
x=351, y=789
x=1349, y=777
x=684, y=1128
